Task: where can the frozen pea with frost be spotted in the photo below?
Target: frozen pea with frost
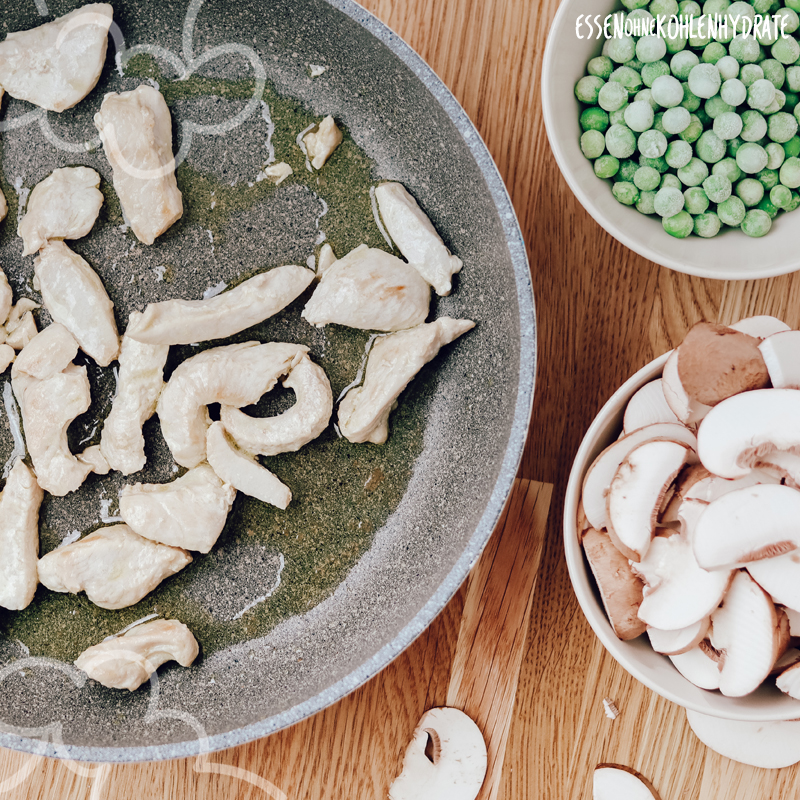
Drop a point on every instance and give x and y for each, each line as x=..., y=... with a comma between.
x=756, y=223
x=627, y=77
x=749, y=191
x=658, y=164
x=750, y=73
x=594, y=119
x=731, y=212
x=777, y=103
x=774, y=72
x=652, y=144
x=713, y=52
x=601, y=66
x=634, y=4
x=650, y=49
x=781, y=127
x=751, y=158
x=693, y=130
x=760, y=94
x=717, y=188
x=646, y=203
x=793, y=78
x=733, y=92
x=707, y=225
x=587, y=89
x=728, y=68
x=669, y=181
x=679, y=154
x=786, y=50
x=694, y=173
x=710, y=148
x=612, y=96
x=606, y=166
x=682, y=63
x=733, y=146
x=746, y=50
x=715, y=106
x=617, y=117
x=705, y=80
x=754, y=126
x=766, y=205
x=645, y=96
x=658, y=122
x=767, y=178
x=669, y=201
x=792, y=147
x=676, y=119
x=627, y=169
x=781, y=196
x=790, y=173
x=667, y=91
x=625, y=192
x=716, y=6
x=775, y=155
x=792, y=21
x=647, y=179
x=620, y=141
x=739, y=8
x=689, y=8
x=620, y=49
x=593, y=143
x=664, y=8
x=652, y=71
x=639, y=116
x=727, y=167
x=695, y=200
x=679, y=226
x=728, y=125
x=691, y=102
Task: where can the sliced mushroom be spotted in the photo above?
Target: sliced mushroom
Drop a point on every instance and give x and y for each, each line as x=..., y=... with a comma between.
x=678, y=593
x=747, y=525
x=636, y=494
x=620, y=589
x=127, y=661
x=19, y=537
x=760, y=327
x=615, y=782
x=189, y=512
x=768, y=745
x=369, y=289
x=687, y=410
x=700, y=666
x=251, y=302
x=715, y=362
x=57, y=64
x=648, y=407
x=745, y=631
x=601, y=473
x=75, y=296
x=136, y=130
x=393, y=363
x=114, y=566
x=459, y=760
x=688, y=478
x=140, y=381
x=322, y=141
x=242, y=471
x=744, y=427
x=779, y=577
x=236, y=375
x=289, y=431
x=790, y=658
x=789, y=681
x=781, y=353
x=674, y=643
x=416, y=238
x=781, y=464
x=64, y=205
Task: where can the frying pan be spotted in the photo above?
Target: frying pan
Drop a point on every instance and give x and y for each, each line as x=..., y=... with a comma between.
x=292, y=609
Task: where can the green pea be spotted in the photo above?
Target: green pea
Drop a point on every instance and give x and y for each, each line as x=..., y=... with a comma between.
x=625, y=192
x=695, y=200
x=600, y=66
x=731, y=212
x=707, y=225
x=679, y=226
x=768, y=178
x=646, y=203
x=756, y=223
x=587, y=89
x=780, y=196
x=792, y=147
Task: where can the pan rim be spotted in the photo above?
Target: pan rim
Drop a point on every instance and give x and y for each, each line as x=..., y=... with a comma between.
x=517, y=437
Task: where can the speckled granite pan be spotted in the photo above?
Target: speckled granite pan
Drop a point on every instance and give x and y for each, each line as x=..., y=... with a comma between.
x=292, y=609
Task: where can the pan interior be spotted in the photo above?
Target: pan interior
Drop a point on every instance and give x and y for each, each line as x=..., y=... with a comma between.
x=373, y=531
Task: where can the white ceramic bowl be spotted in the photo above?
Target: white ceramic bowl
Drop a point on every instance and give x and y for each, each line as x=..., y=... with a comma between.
x=729, y=256
x=637, y=657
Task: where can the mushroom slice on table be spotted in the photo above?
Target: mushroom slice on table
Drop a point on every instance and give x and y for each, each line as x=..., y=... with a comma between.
x=620, y=588
x=716, y=362
x=416, y=238
x=127, y=661
x=114, y=566
x=637, y=492
x=57, y=64
x=741, y=429
x=75, y=296
x=242, y=471
x=64, y=205
x=647, y=407
x=747, y=525
x=19, y=537
x=189, y=512
x=393, y=363
x=141, y=379
x=295, y=427
x=458, y=768
x=251, y=302
x=678, y=592
x=781, y=353
x=322, y=141
x=236, y=374
x=136, y=130
x=615, y=782
x=48, y=405
x=604, y=467
x=369, y=289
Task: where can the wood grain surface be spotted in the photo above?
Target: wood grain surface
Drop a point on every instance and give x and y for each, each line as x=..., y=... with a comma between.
x=603, y=312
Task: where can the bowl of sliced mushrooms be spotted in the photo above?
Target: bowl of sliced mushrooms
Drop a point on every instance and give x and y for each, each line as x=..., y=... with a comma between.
x=680, y=522
x=265, y=384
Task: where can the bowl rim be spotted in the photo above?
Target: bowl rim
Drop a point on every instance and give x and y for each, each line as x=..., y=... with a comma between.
x=582, y=582
x=523, y=408
x=619, y=233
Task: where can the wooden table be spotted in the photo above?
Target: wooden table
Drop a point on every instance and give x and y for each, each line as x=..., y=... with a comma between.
x=603, y=313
